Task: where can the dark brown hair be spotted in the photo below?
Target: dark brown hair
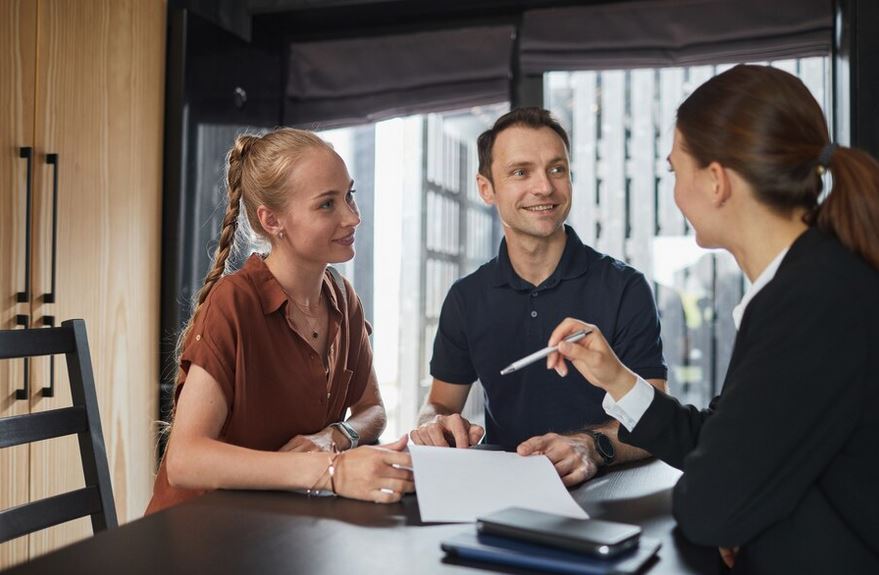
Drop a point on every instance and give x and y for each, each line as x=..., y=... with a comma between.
x=531, y=117
x=764, y=123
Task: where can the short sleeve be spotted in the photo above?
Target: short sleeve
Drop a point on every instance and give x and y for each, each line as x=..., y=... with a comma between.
x=451, y=361
x=213, y=341
x=637, y=339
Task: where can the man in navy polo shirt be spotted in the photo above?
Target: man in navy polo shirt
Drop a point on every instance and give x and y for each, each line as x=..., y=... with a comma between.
x=508, y=308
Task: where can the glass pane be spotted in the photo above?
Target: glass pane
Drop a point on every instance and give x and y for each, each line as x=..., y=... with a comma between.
x=621, y=124
x=427, y=228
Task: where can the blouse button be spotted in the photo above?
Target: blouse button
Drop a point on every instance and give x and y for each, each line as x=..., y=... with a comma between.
x=533, y=313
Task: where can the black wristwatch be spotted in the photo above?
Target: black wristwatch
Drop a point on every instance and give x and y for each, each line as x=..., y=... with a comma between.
x=603, y=446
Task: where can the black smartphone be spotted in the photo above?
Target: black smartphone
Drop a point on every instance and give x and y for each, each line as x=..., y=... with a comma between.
x=593, y=537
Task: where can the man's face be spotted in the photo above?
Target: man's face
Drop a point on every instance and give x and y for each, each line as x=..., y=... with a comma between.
x=531, y=184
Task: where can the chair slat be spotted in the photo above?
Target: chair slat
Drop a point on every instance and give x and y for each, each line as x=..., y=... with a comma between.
x=35, y=342
x=82, y=419
x=21, y=429
x=24, y=519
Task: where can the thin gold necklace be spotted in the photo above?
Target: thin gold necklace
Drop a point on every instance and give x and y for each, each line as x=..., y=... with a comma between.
x=312, y=325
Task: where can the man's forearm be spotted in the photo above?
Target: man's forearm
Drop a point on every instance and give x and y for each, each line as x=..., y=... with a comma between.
x=623, y=452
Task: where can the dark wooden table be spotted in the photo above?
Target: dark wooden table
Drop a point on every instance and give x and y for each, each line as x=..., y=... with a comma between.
x=230, y=532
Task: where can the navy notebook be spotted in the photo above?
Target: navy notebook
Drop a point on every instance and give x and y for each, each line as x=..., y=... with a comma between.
x=504, y=551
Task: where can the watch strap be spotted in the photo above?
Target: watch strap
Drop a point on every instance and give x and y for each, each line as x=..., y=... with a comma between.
x=349, y=432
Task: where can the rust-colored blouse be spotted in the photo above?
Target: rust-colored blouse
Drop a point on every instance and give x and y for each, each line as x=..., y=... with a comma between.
x=275, y=385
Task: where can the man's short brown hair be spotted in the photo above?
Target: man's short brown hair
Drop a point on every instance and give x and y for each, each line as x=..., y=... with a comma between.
x=530, y=117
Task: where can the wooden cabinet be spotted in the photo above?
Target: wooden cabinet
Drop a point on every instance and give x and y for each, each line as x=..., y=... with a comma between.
x=82, y=86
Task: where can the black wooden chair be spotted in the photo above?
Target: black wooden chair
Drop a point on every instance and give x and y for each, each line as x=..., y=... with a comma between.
x=82, y=419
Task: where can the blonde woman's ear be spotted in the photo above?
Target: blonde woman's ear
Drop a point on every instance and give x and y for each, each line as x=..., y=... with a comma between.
x=269, y=222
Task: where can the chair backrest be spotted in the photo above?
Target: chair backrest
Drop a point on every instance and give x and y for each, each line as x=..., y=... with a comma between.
x=82, y=419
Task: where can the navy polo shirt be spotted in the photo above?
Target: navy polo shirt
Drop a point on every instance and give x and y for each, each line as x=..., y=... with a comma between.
x=493, y=317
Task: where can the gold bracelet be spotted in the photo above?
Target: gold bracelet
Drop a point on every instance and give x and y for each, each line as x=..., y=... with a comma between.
x=331, y=469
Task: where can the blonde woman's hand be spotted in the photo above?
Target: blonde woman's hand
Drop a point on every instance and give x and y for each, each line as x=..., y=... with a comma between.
x=380, y=474
x=592, y=356
x=323, y=440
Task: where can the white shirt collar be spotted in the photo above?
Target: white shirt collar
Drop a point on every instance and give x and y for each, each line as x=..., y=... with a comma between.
x=764, y=278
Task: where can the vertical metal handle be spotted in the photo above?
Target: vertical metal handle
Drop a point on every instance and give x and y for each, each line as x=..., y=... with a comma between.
x=24, y=296
x=49, y=321
x=52, y=160
x=24, y=392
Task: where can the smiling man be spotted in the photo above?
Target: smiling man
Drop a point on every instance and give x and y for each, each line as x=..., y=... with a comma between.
x=508, y=307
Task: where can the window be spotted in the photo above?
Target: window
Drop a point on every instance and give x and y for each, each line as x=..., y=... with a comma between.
x=621, y=124
x=429, y=227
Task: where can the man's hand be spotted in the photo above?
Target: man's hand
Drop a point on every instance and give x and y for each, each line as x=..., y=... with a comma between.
x=573, y=456
x=445, y=430
x=323, y=440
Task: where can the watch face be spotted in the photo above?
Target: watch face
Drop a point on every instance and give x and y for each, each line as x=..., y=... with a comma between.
x=604, y=446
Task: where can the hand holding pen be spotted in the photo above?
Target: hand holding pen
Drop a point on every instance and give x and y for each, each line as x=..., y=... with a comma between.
x=541, y=353
x=591, y=355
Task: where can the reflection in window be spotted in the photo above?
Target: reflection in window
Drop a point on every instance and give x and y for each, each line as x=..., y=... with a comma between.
x=621, y=124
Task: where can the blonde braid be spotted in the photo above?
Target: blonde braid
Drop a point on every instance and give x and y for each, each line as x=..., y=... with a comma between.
x=237, y=158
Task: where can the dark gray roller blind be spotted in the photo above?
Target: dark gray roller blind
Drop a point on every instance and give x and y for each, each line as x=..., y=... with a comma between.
x=674, y=32
x=349, y=81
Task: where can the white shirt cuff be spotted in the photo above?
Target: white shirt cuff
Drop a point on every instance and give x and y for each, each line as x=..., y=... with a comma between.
x=632, y=406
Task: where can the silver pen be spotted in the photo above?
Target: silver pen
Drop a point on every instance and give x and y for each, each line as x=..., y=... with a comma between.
x=537, y=355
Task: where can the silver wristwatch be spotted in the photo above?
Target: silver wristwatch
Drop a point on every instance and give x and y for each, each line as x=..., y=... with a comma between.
x=348, y=432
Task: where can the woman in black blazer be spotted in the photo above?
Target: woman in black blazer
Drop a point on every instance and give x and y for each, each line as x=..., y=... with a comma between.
x=782, y=470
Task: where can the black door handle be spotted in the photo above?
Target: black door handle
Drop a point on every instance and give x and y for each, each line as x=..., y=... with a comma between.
x=52, y=160
x=24, y=296
x=49, y=321
x=23, y=393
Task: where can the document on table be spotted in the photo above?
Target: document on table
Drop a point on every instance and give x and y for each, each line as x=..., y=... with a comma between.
x=457, y=485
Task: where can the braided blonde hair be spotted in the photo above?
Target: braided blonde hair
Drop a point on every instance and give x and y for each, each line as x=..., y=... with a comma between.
x=258, y=171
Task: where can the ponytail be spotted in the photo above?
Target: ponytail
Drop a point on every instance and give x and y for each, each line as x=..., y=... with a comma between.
x=851, y=210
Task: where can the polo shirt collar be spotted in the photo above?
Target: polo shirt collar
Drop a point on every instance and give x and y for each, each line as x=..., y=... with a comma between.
x=573, y=263
x=271, y=295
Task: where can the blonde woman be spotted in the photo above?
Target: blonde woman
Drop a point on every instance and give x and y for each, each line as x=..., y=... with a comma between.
x=277, y=352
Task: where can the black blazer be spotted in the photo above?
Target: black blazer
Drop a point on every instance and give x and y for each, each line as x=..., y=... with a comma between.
x=785, y=462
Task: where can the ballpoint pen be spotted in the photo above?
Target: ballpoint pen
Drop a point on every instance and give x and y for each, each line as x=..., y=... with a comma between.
x=540, y=354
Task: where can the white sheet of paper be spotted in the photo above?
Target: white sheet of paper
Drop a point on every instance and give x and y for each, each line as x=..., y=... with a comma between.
x=457, y=485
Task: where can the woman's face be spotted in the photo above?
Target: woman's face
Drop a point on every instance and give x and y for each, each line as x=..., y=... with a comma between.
x=321, y=214
x=693, y=193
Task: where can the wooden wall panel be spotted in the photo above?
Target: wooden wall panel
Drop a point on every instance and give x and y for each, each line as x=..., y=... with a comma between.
x=17, y=61
x=100, y=96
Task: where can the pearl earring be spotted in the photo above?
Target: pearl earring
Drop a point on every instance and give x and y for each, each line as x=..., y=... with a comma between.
x=281, y=235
